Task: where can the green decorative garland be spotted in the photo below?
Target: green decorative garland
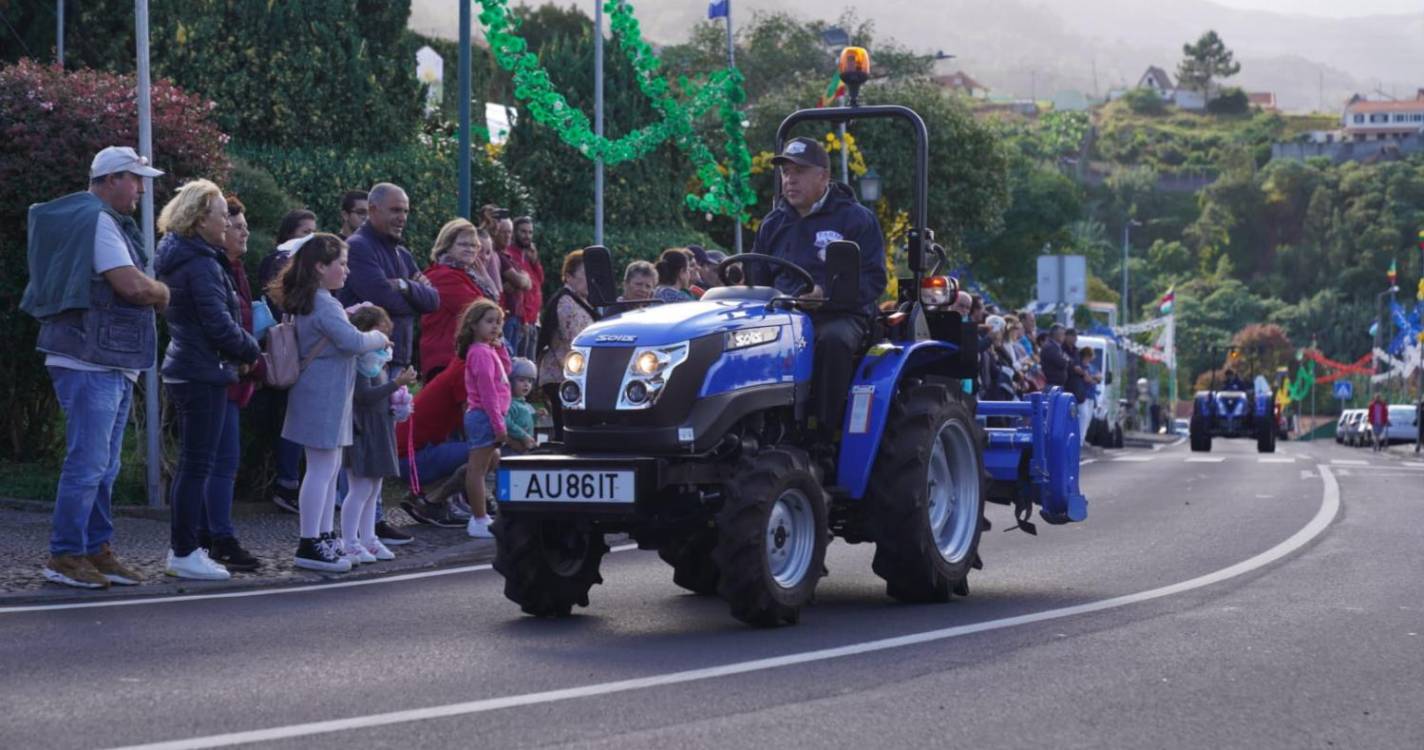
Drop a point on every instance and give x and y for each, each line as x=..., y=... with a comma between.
x=728, y=192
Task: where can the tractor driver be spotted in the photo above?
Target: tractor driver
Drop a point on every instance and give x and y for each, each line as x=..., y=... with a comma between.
x=813, y=212
x=1233, y=382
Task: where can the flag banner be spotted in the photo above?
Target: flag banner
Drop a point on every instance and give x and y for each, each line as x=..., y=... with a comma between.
x=1164, y=305
x=1163, y=350
x=718, y=8
x=834, y=91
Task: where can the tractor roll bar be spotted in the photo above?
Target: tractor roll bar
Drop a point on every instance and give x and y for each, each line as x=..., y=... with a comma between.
x=919, y=211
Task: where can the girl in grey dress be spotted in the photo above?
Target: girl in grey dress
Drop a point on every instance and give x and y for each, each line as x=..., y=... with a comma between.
x=371, y=456
x=319, y=405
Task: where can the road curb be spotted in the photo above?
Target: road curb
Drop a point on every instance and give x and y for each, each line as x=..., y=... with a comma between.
x=473, y=552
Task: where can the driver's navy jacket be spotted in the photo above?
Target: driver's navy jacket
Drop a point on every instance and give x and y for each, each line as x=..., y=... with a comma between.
x=802, y=240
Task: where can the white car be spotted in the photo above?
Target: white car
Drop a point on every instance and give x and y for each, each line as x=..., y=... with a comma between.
x=1181, y=426
x=1342, y=427
x=1354, y=428
x=1402, y=427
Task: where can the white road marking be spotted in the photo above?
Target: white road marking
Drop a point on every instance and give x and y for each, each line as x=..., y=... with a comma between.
x=1307, y=474
x=1087, y=461
x=1277, y=460
x=1349, y=462
x=262, y=592
x=1414, y=464
x=1205, y=459
x=1329, y=507
x=1133, y=459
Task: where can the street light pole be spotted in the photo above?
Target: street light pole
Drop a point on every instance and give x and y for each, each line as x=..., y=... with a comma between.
x=464, y=207
x=598, y=119
x=1126, y=244
x=59, y=33
x=153, y=426
x=1379, y=329
x=732, y=63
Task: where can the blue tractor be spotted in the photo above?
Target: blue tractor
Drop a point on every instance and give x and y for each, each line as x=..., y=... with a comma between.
x=1234, y=409
x=686, y=427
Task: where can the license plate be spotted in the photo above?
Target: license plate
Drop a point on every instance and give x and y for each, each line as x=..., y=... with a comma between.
x=566, y=485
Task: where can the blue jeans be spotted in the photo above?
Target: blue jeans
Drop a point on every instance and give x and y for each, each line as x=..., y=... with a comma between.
x=202, y=410
x=436, y=462
x=513, y=335
x=96, y=410
x=217, y=511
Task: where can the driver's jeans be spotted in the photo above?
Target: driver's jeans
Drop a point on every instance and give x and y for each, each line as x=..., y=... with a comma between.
x=839, y=337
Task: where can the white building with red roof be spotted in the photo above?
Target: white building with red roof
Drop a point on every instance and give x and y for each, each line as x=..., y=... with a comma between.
x=1378, y=120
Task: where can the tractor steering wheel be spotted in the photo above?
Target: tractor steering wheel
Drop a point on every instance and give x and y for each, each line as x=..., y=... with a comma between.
x=807, y=282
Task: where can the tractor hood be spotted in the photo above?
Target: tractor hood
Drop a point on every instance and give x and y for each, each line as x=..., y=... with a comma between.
x=659, y=325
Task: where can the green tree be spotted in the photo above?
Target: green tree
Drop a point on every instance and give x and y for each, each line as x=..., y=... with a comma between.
x=289, y=73
x=1043, y=204
x=1205, y=61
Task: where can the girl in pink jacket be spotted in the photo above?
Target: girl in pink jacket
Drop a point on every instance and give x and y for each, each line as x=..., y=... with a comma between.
x=487, y=396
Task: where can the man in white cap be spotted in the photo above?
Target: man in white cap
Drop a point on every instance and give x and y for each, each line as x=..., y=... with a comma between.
x=97, y=310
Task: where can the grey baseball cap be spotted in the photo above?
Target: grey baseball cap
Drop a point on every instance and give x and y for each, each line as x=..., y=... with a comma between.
x=115, y=159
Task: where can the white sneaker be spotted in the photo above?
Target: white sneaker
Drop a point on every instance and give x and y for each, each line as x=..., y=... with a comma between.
x=196, y=566
x=479, y=527
x=379, y=551
x=356, y=552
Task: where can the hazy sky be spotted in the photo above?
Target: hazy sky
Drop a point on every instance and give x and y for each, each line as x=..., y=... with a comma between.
x=1329, y=8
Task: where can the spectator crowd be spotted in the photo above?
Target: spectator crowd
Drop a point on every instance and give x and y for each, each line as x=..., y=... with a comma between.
x=361, y=365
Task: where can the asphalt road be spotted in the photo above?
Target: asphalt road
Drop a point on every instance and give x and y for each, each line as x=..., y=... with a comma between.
x=1317, y=640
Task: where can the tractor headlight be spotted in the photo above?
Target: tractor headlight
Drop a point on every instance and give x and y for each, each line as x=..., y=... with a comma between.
x=648, y=373
x=648, y=363
x=574, y=364
x=571, y=391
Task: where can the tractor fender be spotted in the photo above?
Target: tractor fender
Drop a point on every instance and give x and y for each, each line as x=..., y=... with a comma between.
x=876, y=381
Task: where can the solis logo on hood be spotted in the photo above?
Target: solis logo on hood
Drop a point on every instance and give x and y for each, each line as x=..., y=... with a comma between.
x=615, y=338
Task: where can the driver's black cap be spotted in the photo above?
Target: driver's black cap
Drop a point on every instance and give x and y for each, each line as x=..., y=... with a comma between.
x=808, y=152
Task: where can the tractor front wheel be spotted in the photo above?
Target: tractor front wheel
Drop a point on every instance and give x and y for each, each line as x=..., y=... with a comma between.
x=772, y=534
x=548, y=566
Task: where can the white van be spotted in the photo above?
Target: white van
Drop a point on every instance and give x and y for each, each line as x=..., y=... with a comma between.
x=1107, y=413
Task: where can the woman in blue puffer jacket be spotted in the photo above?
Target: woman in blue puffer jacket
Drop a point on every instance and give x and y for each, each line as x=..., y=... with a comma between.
x=207, y=349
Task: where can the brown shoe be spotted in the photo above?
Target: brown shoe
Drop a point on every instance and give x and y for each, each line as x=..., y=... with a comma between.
x=110, y=568
x=76, y=571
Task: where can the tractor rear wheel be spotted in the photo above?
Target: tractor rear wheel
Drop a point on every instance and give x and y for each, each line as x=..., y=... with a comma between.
x=772, y=534
x=925, y=505
x=548, y=566
x=691, y=560
x=1201, y=439
x=1266, y=436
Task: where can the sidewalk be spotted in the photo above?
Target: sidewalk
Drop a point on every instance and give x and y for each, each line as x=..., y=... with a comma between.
x=141, y=540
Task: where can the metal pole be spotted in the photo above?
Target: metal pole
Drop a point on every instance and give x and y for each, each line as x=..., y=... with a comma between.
x=845, y=156
x=732, y=63
x=464, y=207
x=153, y=427
x=1126, y=235
x=598, y=119
x=59, y=33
